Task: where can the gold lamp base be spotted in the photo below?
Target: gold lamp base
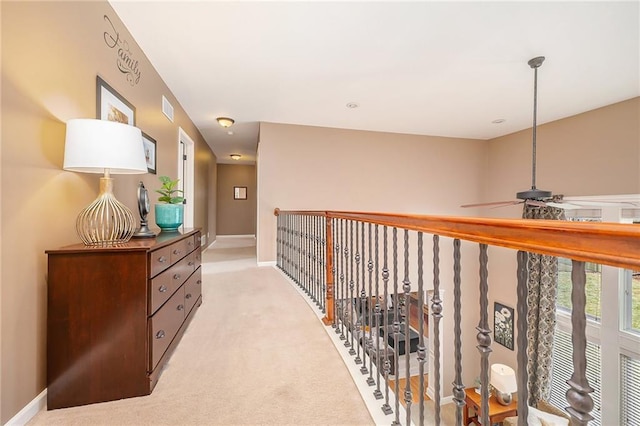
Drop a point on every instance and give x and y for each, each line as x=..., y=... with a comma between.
x=105, y=221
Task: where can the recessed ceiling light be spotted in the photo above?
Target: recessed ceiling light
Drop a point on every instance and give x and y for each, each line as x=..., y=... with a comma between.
x=498, y=121
x=235, y=156
x=352, y=105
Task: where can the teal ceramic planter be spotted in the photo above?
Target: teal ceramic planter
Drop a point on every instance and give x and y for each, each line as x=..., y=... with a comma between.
x=169, y=217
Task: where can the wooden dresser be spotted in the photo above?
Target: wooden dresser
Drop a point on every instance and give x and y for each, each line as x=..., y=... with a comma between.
x=115, y=314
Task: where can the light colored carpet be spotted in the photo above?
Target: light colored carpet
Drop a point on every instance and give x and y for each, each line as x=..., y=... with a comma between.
x=254, y=354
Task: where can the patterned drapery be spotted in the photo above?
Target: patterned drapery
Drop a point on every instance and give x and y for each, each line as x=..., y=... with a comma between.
x=541, y=311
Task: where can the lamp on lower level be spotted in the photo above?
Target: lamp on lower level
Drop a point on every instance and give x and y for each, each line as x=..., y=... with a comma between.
x=100, y=146
x=503, y=380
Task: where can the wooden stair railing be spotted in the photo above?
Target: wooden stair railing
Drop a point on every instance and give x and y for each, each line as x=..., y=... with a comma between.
x=316, y=249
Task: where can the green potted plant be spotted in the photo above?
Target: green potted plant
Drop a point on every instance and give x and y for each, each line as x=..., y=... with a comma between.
x=170, y=208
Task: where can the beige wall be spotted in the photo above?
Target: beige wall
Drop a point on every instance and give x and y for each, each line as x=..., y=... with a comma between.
x=236, y=217
x=51, y=54
x=594, y=153
x=311, y=168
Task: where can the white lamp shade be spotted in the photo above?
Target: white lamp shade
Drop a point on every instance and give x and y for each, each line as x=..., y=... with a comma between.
x=91, y=146
x=503, y=378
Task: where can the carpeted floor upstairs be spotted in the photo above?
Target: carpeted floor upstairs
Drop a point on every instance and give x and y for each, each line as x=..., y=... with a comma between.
x=254, y=353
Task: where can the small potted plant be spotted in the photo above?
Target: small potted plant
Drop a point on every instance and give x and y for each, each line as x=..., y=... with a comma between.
x=170, y=209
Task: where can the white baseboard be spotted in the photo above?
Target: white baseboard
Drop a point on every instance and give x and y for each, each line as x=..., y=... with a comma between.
x=236, y=236
x=269, y=263
x=29, y=411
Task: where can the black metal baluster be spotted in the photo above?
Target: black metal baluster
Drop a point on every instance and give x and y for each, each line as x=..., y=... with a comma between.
x=298, y=254
x=396, y=326
x=351, y=287
x=422, y=352
x=343, y=290
x=278, y=248
x=370, y=380
x=521, y=341
x=458, y=386
x=406, y=288
x=323, y=263
x=358, y=305
x=363, y=295
x=580, y=402
x=379, y=358
x=436, y=313
x=303, y=254
x=289, y=239
x=483, y=337
x=386, y=408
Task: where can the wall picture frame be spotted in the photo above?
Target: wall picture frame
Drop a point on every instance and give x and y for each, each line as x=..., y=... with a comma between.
x=239, y=192
x=503, y=319
x=112, y=106
x=149, y=152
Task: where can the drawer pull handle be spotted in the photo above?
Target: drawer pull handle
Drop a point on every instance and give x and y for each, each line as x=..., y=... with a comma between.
x=187, y=296
x=160, y=334
x=176, y=277
x=190, y=263
x=162, y=259
x=176, y=251
x=162, y=288
x=180, y=307
x=199, y=282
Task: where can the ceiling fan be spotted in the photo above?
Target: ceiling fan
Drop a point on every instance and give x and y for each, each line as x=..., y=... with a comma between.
x=538, y=197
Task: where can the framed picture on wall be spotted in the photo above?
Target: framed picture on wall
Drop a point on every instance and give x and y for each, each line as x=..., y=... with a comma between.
x=149, y=152
x=111, y=106
x=503, y=325
x=239, y=192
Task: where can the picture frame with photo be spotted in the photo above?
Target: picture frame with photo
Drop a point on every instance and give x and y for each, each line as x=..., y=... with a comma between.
x=239, y=192
x=112, y=106
x=150, y=152
x=503, y=319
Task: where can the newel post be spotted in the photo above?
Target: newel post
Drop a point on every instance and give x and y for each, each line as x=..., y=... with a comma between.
x=329, y=316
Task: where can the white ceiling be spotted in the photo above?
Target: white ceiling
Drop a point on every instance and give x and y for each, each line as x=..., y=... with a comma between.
x=429, y=68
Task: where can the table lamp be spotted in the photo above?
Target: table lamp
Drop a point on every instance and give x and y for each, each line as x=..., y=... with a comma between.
x=101, y=146
x=503, y=380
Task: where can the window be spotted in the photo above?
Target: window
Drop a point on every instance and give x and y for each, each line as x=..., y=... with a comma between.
x=562, y=369
x=629, y=391
x=613, y=330
x=593, y=271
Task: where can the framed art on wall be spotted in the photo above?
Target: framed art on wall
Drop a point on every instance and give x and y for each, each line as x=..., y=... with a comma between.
x=503, y=325
x=110, y=105
x=239, y=192
x=149, y=152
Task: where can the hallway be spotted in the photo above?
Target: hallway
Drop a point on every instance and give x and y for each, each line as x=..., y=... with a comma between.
x=253, y=354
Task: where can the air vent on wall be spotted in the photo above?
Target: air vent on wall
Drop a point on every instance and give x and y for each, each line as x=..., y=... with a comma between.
x=167, y=109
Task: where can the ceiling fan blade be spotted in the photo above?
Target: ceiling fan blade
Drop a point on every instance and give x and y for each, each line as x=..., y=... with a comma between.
x=604, y=203
x=493, y=204
x=535, y=203
x=564, y=206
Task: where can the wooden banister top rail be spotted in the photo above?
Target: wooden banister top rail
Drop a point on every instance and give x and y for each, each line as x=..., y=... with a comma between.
x=612, y=244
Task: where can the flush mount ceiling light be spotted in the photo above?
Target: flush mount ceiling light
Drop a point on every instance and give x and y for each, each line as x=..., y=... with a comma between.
x=235, y=156
x=498, y=121
x=352, y=105
x=225, y=121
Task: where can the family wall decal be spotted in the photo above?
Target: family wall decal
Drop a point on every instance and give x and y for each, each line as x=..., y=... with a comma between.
x=125, y=61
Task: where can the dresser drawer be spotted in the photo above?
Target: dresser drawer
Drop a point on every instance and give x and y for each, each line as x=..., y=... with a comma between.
x=192, y=290
x=163, y=285
x=179, y=250
x=164, y=325
x=160, y=260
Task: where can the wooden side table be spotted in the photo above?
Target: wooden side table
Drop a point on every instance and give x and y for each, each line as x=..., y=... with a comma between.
x=497, y=411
